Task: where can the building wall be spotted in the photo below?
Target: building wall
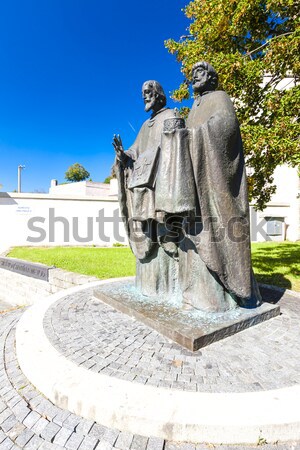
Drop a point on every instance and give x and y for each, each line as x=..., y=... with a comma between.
x=84, y=188
x=48, y=219
x=44, y=219
x=284, y=207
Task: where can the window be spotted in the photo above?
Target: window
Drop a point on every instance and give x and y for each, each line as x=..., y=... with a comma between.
x=274, y=226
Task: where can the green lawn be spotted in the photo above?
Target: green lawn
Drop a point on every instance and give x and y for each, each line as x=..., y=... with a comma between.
x=277, y=264
x=99, y=262
x=274, y=263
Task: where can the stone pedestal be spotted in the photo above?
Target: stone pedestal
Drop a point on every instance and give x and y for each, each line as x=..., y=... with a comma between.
x=190, y=328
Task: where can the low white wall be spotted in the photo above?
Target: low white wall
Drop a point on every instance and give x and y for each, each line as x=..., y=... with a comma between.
x=43, y=220
x=17, y=289
x=84, y=188
x=51, y=220
x=284, y=204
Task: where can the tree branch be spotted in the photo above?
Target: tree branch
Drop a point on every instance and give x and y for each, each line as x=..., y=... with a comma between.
x=267, y=43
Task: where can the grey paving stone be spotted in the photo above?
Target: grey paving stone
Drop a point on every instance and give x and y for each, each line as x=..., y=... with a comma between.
x=124, y=440
x=111, y=435
x=46, y=446
x=24, y=437
x=34, y=443
x=74, y=441
x=2, y=436
x=88, y=443
x=104, y=445
x=7, y=444
x=21, y=410
x=31, y=419
x=4, y=415
x=62, y=436
x=84, y=426
x=14, y=400
x=15, y=431
x=97, y=431
x=47, y=409
x=182, y=446
x=61, y=417
x=34, y=402
x=2, y=406
x=40, y=425
x=71, y=422
x=6, y=391
x=139, y=442
x=155, y=443
x=9, y=423
x=50, y=431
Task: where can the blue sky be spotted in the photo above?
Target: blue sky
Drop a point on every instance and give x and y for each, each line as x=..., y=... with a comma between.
x=70, y=77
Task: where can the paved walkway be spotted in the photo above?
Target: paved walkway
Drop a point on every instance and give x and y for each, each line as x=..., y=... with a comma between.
x=29, y=421
x=97, y=337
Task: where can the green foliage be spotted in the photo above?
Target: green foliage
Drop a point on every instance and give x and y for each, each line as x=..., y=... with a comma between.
x=107, y=180
x=76, y=172
x=261, y=441
x=99, y=262
x=245, y=40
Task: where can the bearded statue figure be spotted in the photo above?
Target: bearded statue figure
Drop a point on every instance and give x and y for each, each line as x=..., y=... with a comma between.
x=136, y=172
x=183, y=196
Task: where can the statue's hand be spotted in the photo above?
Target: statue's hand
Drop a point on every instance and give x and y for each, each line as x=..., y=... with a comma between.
x=119, y=149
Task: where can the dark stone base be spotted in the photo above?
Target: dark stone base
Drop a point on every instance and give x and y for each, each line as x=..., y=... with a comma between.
x=190, y=328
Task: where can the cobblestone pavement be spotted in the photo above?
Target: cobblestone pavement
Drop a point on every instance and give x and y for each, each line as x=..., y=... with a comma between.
x=97, y=337
x=29, y=421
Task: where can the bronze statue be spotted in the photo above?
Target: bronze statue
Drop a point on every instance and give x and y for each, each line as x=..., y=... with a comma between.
x=136, y=171
x=222, y=241
x=183, y=196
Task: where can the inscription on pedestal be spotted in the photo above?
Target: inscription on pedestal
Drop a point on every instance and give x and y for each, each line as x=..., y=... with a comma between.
x=28, y=269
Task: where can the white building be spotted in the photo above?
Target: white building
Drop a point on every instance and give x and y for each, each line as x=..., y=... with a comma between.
x=78, y=218
x=280, y=220
x=85, y=188
x=87, y=213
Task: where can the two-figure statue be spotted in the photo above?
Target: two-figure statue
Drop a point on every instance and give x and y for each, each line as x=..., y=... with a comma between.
x=183, y=196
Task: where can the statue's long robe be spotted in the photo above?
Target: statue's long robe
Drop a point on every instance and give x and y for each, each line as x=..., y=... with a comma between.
x=156, y=271
x=223, y=241
x=148, y=142
x=138, y=204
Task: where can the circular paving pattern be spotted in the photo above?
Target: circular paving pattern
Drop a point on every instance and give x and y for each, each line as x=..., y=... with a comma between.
x=29, y=421
x=97, y=337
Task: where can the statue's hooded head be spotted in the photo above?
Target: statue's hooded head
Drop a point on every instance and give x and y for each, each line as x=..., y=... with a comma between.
x=154, y=96
x=204, y=78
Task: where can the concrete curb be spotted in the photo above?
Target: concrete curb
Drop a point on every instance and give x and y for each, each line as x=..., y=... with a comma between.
x=170, y=414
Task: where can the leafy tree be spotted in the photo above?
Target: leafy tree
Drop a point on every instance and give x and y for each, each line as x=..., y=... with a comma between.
x=76, y=172
x=245, y=40
x=107, y=180
x=111, y=176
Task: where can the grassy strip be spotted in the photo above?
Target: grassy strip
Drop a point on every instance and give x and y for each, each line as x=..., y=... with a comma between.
x=277, y=263
x=99, y=262
x=273, y=263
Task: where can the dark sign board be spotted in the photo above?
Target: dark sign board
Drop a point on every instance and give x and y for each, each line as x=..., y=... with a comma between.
x=29, y=269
